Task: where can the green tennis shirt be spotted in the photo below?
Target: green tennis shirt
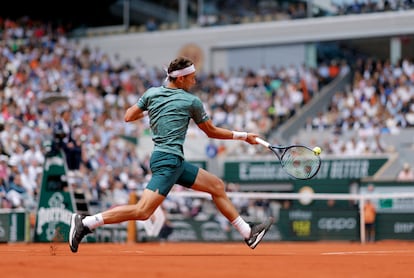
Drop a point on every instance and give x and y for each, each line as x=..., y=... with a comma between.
x=170, y=111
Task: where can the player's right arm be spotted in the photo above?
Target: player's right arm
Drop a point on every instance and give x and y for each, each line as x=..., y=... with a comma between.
x=213, y=131
x=133, y=113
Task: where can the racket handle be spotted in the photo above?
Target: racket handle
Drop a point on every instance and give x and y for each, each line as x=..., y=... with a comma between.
x=262, y=142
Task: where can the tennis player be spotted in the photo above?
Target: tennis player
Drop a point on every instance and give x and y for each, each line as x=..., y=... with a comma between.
x=170, y=109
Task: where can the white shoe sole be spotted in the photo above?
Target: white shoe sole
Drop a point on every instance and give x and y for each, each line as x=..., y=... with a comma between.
x=258, y=238
x=72, y=229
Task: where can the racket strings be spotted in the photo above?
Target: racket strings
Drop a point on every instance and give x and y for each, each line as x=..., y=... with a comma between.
x=300, y=162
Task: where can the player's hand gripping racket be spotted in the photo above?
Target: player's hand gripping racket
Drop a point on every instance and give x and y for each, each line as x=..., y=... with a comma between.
x=298, y=161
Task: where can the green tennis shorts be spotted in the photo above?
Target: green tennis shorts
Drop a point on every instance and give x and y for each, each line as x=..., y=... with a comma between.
x=169, y=169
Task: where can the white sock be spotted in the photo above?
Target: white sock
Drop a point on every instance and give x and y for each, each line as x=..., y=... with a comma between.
x=93, y=221
x=241, y=226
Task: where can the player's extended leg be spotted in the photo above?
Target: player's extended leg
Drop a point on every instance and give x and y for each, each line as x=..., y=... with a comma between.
x=147, y=204
x=145, y=207
x=209, y=183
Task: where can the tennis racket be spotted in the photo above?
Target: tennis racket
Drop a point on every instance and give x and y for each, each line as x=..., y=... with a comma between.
x=299, y=162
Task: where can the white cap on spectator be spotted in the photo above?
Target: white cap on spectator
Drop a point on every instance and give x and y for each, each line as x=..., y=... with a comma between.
x=3, y=158
x=13, y=160
x=132, y=184
x=123, y=177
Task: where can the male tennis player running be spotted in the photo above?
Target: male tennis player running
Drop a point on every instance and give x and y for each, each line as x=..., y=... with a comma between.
x=170, y=109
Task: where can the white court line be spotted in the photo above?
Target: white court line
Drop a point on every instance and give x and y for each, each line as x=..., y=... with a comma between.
x=132, y=251
x=380, y=252
x=14, y=250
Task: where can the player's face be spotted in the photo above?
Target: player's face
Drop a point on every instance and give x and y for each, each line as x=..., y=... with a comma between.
x=188, y=81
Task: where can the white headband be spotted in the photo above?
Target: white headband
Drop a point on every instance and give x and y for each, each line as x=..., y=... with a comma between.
x=182, y=72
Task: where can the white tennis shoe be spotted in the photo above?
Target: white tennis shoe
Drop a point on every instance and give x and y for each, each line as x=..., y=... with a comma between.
x=258, y=231
x=77, y=232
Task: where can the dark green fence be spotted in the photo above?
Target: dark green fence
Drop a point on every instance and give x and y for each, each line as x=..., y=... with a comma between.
x=14, y=226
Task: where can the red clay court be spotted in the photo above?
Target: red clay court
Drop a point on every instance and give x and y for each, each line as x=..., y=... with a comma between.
x=282, y=259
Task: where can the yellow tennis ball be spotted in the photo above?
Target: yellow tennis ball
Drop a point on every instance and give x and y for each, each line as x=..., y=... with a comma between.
x=317, y=150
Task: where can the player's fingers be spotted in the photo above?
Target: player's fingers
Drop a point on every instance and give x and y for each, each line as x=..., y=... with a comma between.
x=251, y=138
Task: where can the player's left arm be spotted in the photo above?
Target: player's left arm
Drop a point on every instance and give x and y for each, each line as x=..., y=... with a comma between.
x=134, y=113
x=213, y=131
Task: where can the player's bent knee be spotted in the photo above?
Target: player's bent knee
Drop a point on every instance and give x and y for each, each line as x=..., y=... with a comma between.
x=218, y=188
x=142, y=214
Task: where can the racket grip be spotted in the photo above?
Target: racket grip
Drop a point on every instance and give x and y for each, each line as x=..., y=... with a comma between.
x=262, y=142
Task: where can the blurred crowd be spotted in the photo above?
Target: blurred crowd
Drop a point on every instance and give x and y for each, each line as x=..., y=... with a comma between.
x=379, y=101
x=217, y=13
x=53, y=91
x=370, y=6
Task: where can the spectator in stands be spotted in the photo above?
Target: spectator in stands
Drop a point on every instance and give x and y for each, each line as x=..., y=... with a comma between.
x=16, y=193
x=93, y=193
x=28, y=180
x=151, y=24
x=211, y=149
x=4, y=202
x=64, y=139
x=323, y=72
x=334, y=69
x=369, y=220
x=14, y=168
x=120, y=194
x=4, y=169
x=406, y=174
x=166, y=230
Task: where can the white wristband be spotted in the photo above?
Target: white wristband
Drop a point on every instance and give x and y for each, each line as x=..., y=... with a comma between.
x=239, y=135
